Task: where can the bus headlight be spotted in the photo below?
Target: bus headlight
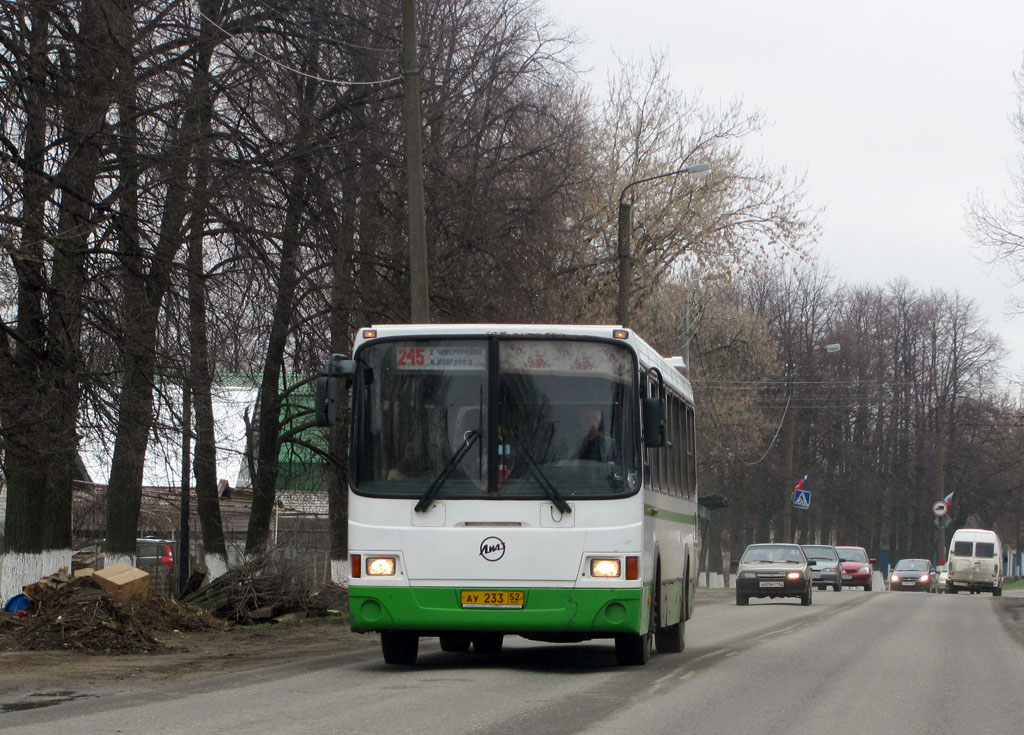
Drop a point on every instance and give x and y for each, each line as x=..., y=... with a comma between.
x=380, y=566
x=605, y=568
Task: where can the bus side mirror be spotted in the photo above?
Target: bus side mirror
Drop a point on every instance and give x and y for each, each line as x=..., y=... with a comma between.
x=326, y=397
x=654, y=422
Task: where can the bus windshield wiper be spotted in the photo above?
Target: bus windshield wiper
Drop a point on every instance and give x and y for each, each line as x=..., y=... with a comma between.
x=540, y=477
x=427, y=498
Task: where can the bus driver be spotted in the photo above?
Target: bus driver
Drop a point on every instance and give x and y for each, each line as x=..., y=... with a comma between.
x=595, y=445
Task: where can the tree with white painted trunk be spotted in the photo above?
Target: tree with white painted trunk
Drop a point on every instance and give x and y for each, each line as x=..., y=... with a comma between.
x=50, y=187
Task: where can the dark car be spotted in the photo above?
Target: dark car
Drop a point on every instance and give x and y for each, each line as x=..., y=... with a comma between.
x=915, y=575
x=826, y=569
x=857, y=566
x=773, y=570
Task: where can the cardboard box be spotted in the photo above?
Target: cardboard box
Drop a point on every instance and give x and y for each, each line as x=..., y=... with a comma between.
x=123, y=582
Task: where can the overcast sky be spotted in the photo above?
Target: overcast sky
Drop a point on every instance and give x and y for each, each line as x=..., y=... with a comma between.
x=896, y=111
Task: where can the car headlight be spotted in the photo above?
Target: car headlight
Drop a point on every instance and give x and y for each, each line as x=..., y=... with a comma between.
x=747, y=575
x=795, y=575
x=864, y=570
x=924, y=578
x=894, y=578
x=605, y=568
x=380, y=566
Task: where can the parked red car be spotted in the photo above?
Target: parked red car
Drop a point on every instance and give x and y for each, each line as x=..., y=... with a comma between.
x=857, y=566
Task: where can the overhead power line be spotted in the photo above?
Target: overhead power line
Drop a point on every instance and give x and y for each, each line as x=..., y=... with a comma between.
x=286, y=67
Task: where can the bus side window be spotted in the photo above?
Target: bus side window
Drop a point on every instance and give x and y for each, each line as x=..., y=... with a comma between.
x=671, y=446
x=684, y=453
x=654, y=455
x=691, y=454
x=678, y=451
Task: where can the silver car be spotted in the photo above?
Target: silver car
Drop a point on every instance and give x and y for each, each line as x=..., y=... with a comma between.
x=773, y=570
x=826, y=569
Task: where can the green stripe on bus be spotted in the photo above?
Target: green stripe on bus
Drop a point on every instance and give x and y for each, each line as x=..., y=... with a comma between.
x=585, y=611
x=668, y=515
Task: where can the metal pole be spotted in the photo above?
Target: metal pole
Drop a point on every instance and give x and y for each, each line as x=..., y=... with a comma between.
x=789, y=426
x=787, y=513
x=186, y=481
x=686, y=329
x=625, y=232
x=625, y=261
x=418, y=280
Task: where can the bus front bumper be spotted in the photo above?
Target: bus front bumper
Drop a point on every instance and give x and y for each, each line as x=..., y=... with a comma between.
x=593, y=612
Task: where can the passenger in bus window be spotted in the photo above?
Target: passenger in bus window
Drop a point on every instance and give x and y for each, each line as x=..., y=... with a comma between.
x=409, y=466
x=595, y=445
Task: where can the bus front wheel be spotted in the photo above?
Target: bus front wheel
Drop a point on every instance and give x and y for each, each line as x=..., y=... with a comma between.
x=634, y=649
x=399, y=647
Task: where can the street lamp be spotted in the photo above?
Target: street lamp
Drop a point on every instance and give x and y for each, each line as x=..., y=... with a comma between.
x=700, y=170
x=787, y=515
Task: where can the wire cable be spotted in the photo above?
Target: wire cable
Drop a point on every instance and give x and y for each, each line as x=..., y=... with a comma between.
x=286, y=67
x=774, y=438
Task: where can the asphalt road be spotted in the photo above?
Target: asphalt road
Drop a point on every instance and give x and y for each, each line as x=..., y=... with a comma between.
x=853, y=662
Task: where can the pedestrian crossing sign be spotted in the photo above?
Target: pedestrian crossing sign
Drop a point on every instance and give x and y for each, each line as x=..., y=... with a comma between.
x=802, y=499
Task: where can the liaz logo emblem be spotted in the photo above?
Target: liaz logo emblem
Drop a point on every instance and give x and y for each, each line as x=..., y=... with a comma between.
x=492, y=548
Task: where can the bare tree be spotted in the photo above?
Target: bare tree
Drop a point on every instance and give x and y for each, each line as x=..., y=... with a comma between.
x=175, y=122
x=998, y=230
x=743, y=213
x=58, y=80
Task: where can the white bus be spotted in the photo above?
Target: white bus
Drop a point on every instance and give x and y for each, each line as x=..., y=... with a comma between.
x=529, y=480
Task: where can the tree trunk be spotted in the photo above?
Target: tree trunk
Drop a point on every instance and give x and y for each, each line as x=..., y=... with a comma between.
x=143, y=293
x=341, y=285
x=268, y=421
x=25, y=465
x=268, y=446
x=41, y=373
x=208, y=502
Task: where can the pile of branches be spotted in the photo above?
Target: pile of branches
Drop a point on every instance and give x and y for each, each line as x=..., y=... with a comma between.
x=265, y=590
x=80, y=616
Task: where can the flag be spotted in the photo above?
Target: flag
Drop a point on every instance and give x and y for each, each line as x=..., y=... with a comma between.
x=948, y=500
x=800, y=485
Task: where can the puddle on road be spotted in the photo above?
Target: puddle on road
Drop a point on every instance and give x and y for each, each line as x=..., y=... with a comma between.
x=38, y=700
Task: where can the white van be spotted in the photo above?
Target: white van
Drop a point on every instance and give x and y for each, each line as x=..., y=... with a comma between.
x=975, y=562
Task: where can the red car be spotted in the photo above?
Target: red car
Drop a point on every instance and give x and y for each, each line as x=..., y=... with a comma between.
x=857, y=566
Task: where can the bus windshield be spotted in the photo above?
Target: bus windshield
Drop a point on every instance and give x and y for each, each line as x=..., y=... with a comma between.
x=564, y=423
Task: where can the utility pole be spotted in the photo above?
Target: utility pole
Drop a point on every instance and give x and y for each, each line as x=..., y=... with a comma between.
x=789, y=427
x=183, y=561
x=625, y=225
x=940, y=483
x=418, y=282
x=625, y=260
x=789, y=430
x=686, y=328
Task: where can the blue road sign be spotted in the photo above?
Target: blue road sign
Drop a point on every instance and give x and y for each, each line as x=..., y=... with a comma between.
x=802, y=499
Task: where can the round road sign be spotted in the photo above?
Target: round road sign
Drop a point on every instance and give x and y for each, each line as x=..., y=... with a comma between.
x=940, y=508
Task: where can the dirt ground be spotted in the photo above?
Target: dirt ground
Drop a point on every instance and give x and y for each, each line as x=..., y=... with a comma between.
x=76, y=638
x=57, y=674
x=183, y=655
